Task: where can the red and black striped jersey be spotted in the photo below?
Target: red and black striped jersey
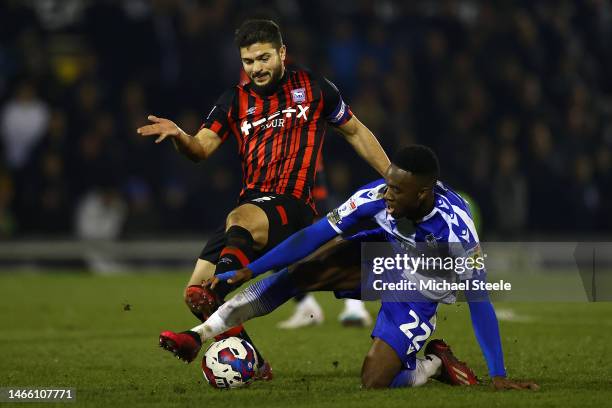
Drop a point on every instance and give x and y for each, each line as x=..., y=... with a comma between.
x=280, y=135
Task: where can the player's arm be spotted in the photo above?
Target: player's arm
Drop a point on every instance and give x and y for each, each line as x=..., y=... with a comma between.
x=365, y=144
x=339, y=115
x=296, y=247
x=486, y=330
x=196, y=148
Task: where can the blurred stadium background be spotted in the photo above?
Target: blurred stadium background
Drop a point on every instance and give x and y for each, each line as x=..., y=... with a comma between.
x=515, y=96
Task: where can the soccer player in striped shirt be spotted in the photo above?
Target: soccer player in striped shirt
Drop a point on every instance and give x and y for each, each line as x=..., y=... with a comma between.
x=279, y=120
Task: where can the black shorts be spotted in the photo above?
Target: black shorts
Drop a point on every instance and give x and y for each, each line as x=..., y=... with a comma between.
x=286, y=215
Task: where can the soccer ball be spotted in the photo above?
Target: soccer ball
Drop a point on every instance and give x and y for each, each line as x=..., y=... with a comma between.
x=229, y=363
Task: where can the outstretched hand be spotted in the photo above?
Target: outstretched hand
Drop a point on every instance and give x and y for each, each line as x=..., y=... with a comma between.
x=503, y=383
x=160, y=127
x=232, y=277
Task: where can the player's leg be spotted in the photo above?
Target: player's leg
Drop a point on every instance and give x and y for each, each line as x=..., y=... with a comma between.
x=257, y=225
x=202, y=271
x=246, y=231
x=197, y=300
x=201, y=301
x=382, y=368
x=400, y=332
x=254, y=227
x=335, y=266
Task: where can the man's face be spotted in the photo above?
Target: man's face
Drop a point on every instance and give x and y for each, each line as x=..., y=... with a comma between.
x=405, y=193
x=263, y=64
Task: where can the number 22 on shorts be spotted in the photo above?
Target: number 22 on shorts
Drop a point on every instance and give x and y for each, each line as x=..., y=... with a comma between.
x=417, y=341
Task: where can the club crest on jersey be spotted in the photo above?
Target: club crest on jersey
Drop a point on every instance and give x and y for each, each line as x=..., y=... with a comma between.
x=298, y=95
x=251, y=110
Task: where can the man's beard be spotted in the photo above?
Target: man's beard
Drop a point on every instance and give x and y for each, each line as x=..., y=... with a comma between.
x=272, y=84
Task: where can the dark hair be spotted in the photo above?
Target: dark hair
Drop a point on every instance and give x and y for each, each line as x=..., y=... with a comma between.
x=419, y=160
x=258, y=31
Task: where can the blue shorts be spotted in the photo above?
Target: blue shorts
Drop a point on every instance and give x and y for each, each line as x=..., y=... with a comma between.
x=406, y=326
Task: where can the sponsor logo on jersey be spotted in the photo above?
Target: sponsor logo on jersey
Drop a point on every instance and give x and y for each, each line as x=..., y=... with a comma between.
x=275, y=119
x=298, y=95
x=347, y=208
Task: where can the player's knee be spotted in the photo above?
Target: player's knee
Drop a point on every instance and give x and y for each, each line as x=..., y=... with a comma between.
x=235, y=218
x=249, y=217
x=243, y=216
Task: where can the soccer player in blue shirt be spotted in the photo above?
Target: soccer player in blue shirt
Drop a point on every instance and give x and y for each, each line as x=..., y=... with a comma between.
x=410, y=206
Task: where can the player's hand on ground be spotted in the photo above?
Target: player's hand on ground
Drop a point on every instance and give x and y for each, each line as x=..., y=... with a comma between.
x=232, y=277
x=503, y=383
x=160, y=127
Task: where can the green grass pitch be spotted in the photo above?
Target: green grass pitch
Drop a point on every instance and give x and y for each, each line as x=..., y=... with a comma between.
x=76, y=330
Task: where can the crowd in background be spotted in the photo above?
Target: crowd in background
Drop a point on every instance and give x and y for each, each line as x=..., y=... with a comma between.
x=515, y=97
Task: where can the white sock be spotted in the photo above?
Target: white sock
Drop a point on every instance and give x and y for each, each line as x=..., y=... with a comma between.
x=425, y=369
x=432, y=365
x=212, y=327
x=354, y=306
x=232, y=313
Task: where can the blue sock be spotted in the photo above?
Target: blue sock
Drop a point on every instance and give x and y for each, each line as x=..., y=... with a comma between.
x=405, y=378
x=269, y=293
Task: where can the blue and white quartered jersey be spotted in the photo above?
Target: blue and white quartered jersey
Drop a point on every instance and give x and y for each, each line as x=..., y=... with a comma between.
x=449, y=224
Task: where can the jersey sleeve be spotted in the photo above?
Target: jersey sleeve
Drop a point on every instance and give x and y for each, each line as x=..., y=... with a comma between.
x=459, y=233
x=463, y=234
x=362, y=205
x=335, y=110
x=218, y=119
x=294, y=248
